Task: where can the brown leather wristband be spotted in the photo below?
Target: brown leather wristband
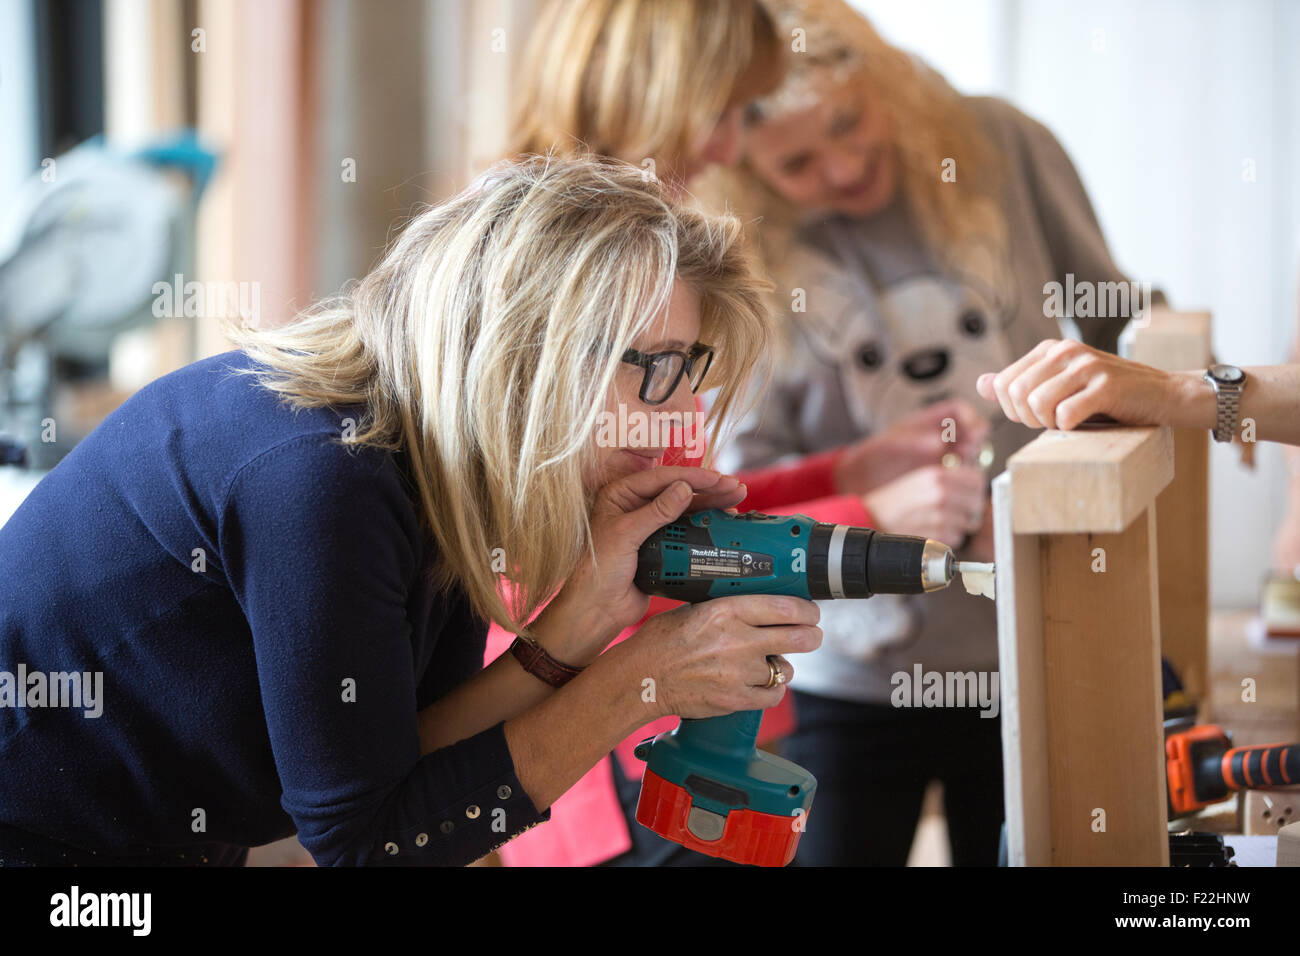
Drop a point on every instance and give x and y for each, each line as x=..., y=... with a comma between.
x=534, y=659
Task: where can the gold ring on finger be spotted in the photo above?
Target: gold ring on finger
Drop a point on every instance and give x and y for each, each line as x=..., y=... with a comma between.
x=776, y=677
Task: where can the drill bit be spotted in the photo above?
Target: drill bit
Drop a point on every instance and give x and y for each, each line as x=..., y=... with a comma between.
x=977, y=578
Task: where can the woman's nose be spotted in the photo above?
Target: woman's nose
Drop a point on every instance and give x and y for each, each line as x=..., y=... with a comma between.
x=842, y=168
x=723, y=145
x=682, y=399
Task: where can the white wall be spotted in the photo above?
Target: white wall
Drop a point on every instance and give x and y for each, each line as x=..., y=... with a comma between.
x=1162, y=105
x=18, y=145
x=18, y=161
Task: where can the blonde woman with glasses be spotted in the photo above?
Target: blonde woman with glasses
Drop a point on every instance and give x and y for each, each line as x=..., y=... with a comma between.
x=664, y=84
x=278, y=564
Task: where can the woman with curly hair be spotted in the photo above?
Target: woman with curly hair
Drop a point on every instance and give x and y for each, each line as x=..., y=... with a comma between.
x=911, y=233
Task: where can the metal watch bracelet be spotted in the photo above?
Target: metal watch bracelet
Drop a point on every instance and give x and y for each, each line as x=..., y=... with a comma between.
x=1228, y=381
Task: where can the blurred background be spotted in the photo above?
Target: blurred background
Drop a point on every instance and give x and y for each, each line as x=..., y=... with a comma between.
x=266, y=150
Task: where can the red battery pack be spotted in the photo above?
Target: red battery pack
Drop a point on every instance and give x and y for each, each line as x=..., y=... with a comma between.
x=759, y=839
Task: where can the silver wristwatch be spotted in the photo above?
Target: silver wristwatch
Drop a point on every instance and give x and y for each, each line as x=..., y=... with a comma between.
x=1228, y=381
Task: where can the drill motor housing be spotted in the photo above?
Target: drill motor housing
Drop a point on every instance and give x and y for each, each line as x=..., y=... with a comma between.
x=711, y=554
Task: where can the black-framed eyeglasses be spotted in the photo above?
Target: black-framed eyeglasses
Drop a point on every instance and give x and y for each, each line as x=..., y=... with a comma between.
x=664, y=370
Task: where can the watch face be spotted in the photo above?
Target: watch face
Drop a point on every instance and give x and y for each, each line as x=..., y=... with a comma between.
x=1228, y=374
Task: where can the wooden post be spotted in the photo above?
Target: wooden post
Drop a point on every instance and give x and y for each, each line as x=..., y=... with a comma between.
x=145, y=48
x=1079, y=650
x=1180, y=341
x=255, y=221
x=1023, y=681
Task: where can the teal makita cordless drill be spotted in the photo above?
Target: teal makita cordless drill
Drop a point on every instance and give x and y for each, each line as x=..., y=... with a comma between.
x=706, y=785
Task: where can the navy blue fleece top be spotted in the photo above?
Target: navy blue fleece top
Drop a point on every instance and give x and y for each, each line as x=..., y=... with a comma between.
x=254, y=594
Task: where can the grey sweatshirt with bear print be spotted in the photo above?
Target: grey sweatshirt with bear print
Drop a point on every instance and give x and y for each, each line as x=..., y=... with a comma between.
x=884, y=333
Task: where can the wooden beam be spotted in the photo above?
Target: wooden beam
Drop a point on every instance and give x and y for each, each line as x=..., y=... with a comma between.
x=1089, y=479
x=1024, y=708
x=1079, y=653
x=144, y=68
x=1180, y=341
x=1169, y=340
x=145, y=46
x=1101, y=655
x=254, y=221
x=494, y=42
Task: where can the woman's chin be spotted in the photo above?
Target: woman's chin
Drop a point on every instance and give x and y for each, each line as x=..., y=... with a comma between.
x=626, y=463
x=874, y=195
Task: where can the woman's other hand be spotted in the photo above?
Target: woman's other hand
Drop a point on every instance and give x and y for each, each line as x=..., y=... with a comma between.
x=710, y=659
x=935, y=502
x=922, y=438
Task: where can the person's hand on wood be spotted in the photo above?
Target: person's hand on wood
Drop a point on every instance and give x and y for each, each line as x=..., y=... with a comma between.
x=1060, y=384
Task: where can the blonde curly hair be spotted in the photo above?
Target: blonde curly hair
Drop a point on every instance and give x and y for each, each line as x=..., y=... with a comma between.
x=961, y=222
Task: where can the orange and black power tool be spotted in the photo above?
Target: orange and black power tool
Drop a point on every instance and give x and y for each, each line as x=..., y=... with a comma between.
x=1202, y=767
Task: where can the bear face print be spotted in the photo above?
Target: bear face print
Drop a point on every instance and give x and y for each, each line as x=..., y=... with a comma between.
x=916, y=341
